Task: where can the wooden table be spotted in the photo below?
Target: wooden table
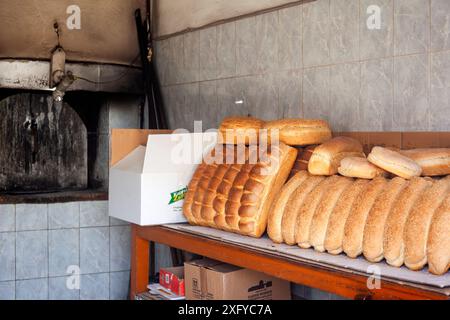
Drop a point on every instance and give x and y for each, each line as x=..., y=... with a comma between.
x=345, y=284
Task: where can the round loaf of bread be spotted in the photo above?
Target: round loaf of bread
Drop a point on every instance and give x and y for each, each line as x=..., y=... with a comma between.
x=394, y=246
x=356, y=221
x=394, y=162
x=439, y=240
x=419, y=221
x=240, y=130
x=376, y=221
x=279, y=205
x=299, y=132
x=338, y=218
x=358, y=167
x=327, y=157
x=433, y=161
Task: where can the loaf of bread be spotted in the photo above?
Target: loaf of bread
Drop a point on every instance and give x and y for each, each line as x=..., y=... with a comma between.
x=279, y=205
x=189, y=197
x=433, y=161
x=327, y=157
x=307, y=210
x=393, y=245
x=298, y=132
x=321, y=217
x=303, y=156
x=240, y=130
x=439, y=240
x=419, y=221
x=336, y=224
x=358, y=167
x=356, y=221
x=376, y=221
x=293, y=207
x=394, y=162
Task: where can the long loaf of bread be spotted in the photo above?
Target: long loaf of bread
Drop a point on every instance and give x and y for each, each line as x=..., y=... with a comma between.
x=439, y=240
x=393, y=245
x=354, y=227
x=279, y=205
x=419, y=221
x=433, y=161
x=376, y=221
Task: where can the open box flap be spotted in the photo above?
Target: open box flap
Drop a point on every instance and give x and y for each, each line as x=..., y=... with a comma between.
x=176, y=152
x=134, y=162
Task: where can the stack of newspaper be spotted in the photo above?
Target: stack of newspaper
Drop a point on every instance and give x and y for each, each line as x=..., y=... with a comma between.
x=158, y=292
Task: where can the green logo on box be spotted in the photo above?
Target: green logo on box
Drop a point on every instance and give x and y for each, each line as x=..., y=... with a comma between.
x=177, y=195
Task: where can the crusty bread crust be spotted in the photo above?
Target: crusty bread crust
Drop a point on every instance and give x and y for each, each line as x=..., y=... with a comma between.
x=327, y=157
x=234, y=130
x=393, y=245
x=299, y=132
x=439, y=240
x=394, y=162
x=376, y=221
x=433, y=161
x=279, y=205
x=356, y=221
x=419, y=221
x=358, y=167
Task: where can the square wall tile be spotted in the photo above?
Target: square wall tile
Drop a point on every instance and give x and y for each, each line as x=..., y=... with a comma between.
x=94, y=214
x=119, y=285
x=191, y=56
x=316, y=93
x=33, y=289
x=245, y=46
x=176, y=60
x=226, y=50
x=412, y=26
x=117, y=222
x=7, y=290
x=290, y=94
x=316, y=33
x=94, y=250
x=376, y=42
x=344, y=30
x=31, y=217
x=120, y=248
x=267, y=42
x=7, y=217
x=64, y=251
x=31, y=255
x=64, y=215
x=290, y=38
x=440, y=26
x=263, y=97
x=7, y=256
x=61, y=289
x=440, y=91
x=162, y=60
x=208, y=51
x=94, y=286
x=208, y=104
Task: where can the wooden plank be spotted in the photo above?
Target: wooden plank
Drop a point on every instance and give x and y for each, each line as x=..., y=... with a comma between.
x=341, y=283
x=140, y=260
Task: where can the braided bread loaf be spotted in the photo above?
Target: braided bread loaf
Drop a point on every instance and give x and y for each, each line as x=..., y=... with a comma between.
x=237, y=196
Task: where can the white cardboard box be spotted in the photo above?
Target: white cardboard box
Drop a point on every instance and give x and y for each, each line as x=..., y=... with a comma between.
x=147, y=187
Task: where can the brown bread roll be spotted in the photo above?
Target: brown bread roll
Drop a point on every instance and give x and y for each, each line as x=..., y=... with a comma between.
x=327, y=157
x=376, y=221
x=394, y=162
x=321, y=217
x=192, y=188
x=294, y=204
x=393, y=245
x=439, y=240
x=433, y=161
x=307, y=210
x=240, y=130
x=336, y=224
x=299, y=132
x=279, y=205
x=357, y=167
x=419, y=221
x=356, y=221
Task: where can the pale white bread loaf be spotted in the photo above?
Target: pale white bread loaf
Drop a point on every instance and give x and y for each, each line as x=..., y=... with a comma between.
x=439, y=240
x=321, y=217
x=299, y=132
x=418, y=224
x=394, y=162
x=294, y=204
x=240, y=130
x=307, y=210
x=279, y=205
x=327, y=157
x=336, y=224
x=376, y=221
x=433, y=161
x=393, y=245
x=358, y=167
x=273, y=173
x=356, y=221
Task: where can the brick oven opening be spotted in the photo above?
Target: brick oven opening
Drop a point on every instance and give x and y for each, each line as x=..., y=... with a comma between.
x=48, y=146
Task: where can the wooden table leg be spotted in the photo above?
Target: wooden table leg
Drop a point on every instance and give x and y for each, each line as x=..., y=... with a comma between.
x=139, y=263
